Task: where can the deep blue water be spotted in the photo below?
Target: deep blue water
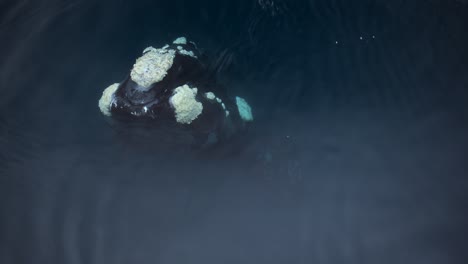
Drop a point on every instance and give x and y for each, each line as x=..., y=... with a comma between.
x=357, y=153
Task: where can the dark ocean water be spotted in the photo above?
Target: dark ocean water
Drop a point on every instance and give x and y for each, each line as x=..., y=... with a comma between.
x=357, y=153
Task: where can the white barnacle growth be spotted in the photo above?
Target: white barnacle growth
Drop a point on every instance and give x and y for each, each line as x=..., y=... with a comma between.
x=107, y=99
x=186, y=107
x=152, y=67
x=244, y=109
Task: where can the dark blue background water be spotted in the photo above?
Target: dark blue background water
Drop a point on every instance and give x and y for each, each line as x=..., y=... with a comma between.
x=357, y=153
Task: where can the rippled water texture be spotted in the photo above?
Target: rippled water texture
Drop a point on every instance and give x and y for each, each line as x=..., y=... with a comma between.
x=357, y=153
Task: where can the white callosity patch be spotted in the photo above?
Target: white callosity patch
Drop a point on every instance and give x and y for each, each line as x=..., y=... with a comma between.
x=148, y=49
x=186, y=107
x=244, y=109
x=181, y=50
x=225, y=110
x=152, y=67
x=107, y=99
x=180, y=40
x=187, y=53
x=210, y=95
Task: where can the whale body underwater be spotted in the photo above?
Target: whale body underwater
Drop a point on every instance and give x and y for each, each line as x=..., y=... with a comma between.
x=348, y=145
